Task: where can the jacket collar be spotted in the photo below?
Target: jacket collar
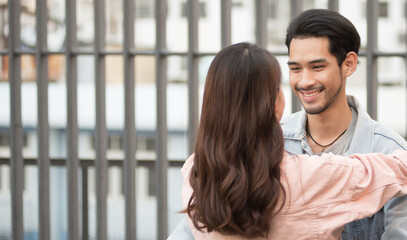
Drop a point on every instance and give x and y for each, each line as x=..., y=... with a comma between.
x=294, y=125
x=363, y=137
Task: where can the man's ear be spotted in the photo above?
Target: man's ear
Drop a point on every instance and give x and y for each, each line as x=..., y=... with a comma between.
x=350, y=63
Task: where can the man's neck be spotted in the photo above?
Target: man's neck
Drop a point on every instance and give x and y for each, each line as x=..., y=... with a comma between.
x=325, y=127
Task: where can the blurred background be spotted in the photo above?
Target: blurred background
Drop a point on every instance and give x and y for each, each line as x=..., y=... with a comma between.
x=170, y=55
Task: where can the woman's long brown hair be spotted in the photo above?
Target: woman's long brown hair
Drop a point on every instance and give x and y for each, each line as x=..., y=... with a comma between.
x=239, y=147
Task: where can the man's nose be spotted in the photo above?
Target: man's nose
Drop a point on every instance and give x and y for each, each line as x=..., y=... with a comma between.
x=307, y=79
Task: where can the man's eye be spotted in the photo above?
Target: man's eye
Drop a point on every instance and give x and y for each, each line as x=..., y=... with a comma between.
x=318, y=67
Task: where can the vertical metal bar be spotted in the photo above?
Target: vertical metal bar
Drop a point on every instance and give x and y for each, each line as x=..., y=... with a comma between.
x=43, y=162
x=17, y=166
x=226, y=22
x=129, y=116
x=405, y=56
x=261, y=23
x=72, y=121
x=372, y=16
x=101, y=131
x=193, y=81
x=161, y=146
x=85, y=228
x=296, y=8
x=333, y=5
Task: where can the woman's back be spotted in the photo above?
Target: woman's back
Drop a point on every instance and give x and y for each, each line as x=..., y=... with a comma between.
x=324, y=193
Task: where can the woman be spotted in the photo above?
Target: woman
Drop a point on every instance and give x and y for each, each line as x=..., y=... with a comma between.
x=241, y=184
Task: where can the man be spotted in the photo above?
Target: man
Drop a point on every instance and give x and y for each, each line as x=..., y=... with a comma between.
x=323, y=48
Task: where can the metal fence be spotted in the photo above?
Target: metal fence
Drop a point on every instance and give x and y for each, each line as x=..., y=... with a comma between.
x=72, y=162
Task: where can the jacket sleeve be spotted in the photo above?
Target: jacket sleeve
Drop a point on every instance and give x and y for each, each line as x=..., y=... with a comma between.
x=182, y=231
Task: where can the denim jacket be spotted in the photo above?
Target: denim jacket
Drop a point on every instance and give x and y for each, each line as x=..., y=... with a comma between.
x=390, y=223
x=369, y=136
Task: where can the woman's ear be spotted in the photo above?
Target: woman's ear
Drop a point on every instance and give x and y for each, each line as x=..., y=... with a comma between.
x=350, y=63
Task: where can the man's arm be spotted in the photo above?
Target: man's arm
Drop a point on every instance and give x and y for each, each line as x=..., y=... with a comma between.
x=182, y=231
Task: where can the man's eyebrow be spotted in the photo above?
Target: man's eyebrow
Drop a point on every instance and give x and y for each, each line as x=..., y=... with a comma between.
x=291, y=63
x=320, y=60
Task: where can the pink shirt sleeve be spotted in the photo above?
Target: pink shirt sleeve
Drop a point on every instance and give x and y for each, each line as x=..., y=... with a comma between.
x=382, y=178
x=363, y=182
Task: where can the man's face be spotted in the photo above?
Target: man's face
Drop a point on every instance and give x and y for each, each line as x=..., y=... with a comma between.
x=315, y=76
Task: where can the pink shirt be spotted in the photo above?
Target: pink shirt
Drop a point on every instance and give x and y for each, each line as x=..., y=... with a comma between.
x=324, y=193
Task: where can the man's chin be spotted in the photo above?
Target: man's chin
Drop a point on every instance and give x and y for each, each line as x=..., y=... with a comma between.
x=314, y=110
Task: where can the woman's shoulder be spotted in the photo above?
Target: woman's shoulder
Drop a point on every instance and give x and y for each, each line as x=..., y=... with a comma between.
x=188, y=165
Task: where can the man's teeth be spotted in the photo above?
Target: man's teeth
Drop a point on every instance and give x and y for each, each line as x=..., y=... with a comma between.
x=311, y=94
